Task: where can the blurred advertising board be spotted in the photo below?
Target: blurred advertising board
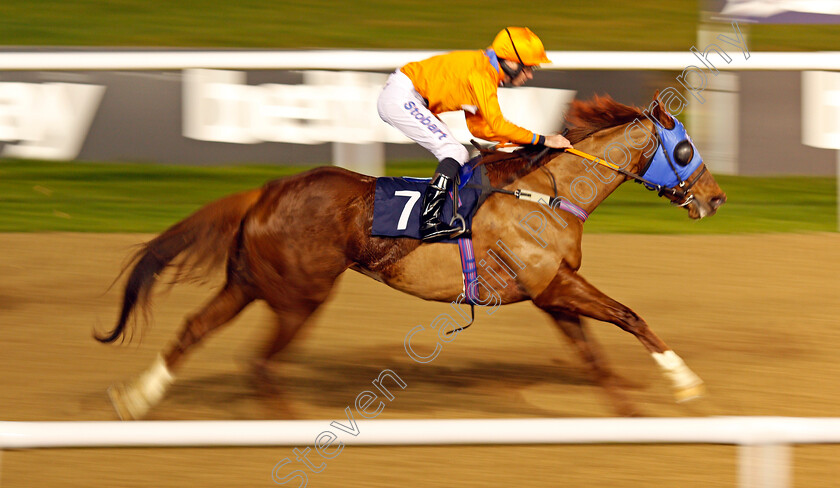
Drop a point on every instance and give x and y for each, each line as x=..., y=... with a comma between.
x=228, y=117
x=777, y=11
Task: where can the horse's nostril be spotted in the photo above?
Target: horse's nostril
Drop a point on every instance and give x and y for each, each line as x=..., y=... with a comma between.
x=717, y=201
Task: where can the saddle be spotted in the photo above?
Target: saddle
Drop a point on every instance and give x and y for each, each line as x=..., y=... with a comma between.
x=396, y=212
x=397, y=202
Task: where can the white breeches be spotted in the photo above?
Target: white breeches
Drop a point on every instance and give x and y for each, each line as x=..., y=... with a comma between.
x=402, y=107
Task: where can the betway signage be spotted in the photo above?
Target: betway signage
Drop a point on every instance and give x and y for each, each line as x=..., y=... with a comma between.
x=210, y=117
x=46, y=120
x=329, y=107
x=51, y=120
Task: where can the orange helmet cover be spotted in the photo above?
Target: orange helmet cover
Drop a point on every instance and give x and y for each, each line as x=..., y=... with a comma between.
x=521, y=45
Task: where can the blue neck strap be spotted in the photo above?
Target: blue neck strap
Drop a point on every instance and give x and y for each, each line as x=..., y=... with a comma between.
x=494, y=60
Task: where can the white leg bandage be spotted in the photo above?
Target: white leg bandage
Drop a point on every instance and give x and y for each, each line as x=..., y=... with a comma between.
x=155, y=381
x=134, y=400
x=675, y=369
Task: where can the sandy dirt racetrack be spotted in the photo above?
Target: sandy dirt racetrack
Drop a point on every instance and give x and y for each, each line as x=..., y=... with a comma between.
x=754, y=316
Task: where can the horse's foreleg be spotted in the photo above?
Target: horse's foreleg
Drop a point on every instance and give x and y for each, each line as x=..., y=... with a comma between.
x=573, y=328
x=134, y=399
x=570, y=293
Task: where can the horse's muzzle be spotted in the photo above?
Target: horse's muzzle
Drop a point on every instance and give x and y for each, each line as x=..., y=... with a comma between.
x=700, y=208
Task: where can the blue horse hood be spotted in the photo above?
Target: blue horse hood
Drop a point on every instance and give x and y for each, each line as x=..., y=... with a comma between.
x=660, y=170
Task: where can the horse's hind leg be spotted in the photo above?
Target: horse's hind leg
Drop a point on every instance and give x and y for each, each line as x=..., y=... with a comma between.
x=294, y=304
x=585, y=346
x=570, y=293
x=287, y=325
x=134, y=399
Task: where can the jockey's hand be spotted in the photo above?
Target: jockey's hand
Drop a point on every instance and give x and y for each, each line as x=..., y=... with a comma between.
x=557, y=141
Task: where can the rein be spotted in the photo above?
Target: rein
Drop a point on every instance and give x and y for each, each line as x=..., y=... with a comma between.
x=679, y=195
x=682, y=192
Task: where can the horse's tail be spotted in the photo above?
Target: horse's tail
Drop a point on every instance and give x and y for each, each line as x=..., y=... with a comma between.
x=203, y=239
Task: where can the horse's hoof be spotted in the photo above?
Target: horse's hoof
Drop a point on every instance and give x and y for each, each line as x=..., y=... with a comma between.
x=124, y=402
x=690, y=393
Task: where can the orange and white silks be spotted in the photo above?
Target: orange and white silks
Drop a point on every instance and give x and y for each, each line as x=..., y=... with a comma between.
x=468, y=81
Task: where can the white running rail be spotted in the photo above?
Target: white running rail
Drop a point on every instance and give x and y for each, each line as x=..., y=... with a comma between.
x=764, y=454
x=356, y=60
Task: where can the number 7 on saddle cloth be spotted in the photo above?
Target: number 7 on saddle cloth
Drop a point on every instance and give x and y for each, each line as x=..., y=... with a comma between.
x=397, y=202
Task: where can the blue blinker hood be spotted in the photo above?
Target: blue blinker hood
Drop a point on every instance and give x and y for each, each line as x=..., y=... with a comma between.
x=663, y=166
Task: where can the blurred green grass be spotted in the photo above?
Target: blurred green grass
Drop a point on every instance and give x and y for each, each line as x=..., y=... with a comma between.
x=388, y=24
x=754, y=205
x=99, y=197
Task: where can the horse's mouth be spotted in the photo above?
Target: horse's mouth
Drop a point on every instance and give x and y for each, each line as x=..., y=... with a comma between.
x=699, y=209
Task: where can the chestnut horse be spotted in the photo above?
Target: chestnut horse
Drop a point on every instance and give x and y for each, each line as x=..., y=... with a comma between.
x=287, y=242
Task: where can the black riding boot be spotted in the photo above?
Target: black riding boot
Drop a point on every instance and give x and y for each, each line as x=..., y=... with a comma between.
x=431, y=227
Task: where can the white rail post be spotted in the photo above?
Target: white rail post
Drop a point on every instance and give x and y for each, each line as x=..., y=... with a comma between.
x=821, y=116
x=764, y=466
x=355, y=122
x=714, y=121
x=368, y=158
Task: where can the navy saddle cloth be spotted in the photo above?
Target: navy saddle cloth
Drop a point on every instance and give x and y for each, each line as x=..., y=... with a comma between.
x=398, y=201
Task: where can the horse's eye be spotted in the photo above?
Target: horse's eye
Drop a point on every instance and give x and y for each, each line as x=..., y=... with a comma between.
x=683, y=153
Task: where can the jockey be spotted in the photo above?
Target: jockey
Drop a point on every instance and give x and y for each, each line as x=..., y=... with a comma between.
x=468, y=81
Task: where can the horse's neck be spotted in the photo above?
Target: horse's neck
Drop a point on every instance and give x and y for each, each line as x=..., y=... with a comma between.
x=586, y=183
